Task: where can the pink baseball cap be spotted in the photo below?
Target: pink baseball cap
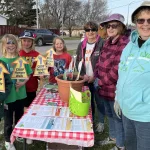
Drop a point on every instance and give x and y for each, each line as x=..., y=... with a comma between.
x=114, y=17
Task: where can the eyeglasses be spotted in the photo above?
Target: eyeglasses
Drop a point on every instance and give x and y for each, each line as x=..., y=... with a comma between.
x=141, y=21
x=92, y=30
x=10, y=42
x=113, y=26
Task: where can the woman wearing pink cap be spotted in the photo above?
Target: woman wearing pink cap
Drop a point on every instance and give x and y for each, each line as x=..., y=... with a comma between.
x=106, y=74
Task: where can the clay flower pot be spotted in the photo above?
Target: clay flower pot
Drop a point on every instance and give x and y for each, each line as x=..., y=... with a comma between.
x=64, y=87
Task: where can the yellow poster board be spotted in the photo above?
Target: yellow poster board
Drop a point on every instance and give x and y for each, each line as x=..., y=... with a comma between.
x=40, y=69
x=20, y=70
x=2, y=80
x=50, y=58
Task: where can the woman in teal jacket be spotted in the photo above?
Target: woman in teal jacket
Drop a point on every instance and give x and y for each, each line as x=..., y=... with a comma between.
x=133, y=86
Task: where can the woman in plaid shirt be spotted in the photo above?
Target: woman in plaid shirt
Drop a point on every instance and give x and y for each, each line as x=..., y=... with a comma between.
x=106, y=73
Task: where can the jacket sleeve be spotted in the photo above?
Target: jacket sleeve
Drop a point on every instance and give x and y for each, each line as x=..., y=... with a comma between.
x=78, y=55
x=8, y=86
x=97, y=64
x=96, y=68
x=112, y=76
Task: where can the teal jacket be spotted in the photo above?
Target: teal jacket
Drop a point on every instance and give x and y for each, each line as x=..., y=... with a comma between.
x=133, y=86
x=8, y=86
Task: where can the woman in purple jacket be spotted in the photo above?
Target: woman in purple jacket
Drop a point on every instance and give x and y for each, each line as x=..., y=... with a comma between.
x=106, y=73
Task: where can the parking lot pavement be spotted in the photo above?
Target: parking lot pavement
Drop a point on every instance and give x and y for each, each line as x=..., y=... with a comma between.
x=71, y=45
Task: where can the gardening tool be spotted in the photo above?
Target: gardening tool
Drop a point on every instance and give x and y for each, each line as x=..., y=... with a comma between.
x=71, y=69
x=74, y=62
x=79, y=69
x=65, y=74
x=72, y=66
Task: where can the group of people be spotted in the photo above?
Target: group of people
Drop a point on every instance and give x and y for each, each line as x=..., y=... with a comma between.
x=19, y=93
x=115, y=69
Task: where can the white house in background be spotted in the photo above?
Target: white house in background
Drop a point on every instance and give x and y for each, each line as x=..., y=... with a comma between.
x=3, y=20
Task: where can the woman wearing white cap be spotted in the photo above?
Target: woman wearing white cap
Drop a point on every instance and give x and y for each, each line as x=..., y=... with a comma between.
x=133, y=86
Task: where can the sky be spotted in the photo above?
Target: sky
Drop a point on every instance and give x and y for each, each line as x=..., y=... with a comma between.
x=131, y=4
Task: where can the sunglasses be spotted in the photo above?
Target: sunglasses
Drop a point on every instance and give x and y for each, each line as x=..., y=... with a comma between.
x=141, y=21
x=92, y=30
x=10, y=42
x=113, y=26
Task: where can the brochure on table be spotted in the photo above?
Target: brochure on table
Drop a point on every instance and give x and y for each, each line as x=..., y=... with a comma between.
x=54, y=124
x=51, y=110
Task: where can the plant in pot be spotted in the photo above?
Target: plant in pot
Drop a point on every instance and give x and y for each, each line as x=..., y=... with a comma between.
x=69, y=78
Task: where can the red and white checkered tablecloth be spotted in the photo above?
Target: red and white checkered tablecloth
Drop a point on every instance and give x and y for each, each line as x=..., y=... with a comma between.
x=84, y=139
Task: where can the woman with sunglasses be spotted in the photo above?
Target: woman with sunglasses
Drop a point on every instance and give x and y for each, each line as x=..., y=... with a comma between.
x=88, y=51
x=133, y=86
x=106, y=74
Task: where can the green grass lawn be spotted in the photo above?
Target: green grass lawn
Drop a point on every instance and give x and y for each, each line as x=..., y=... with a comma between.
x=38, y=145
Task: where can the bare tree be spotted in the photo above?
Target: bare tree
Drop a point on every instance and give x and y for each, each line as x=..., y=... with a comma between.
x=57, y=11
x=51, y=12
x=95, y=10
x=71, y=13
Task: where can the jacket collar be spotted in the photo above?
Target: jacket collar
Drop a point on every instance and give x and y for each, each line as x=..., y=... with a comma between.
x=85, y=42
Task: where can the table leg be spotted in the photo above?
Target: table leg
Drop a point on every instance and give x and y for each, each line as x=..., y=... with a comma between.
x=24, y=144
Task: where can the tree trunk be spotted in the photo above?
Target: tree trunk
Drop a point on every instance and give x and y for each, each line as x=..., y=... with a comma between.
x=70, y=32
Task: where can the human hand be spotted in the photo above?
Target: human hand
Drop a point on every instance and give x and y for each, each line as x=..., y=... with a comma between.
x=117, y=109
x=85, y=78
x=19, y=84
x=91, y=79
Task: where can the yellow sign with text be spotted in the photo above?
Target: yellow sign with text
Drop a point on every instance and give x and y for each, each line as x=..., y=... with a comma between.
x=2, y=80
x=20, y=70
x=50, y=58
x=40, y=69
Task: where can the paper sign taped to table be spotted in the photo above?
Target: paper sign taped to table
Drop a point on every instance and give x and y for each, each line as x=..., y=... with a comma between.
x=54, y=124
x=41, y=110
x=50, y=110
x=32, y=122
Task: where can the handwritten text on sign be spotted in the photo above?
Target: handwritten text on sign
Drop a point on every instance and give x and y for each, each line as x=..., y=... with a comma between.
x=50, y=58
x=19, y=71
x=40, y=69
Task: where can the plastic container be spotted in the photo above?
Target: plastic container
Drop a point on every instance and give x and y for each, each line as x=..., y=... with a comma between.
x=80, y=102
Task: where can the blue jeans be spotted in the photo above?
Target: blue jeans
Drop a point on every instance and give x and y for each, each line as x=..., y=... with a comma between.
x=137, y=134
x=115, y=124
x=100, y=106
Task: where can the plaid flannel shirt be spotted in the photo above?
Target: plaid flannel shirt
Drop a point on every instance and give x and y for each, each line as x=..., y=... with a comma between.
x=107, y=66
